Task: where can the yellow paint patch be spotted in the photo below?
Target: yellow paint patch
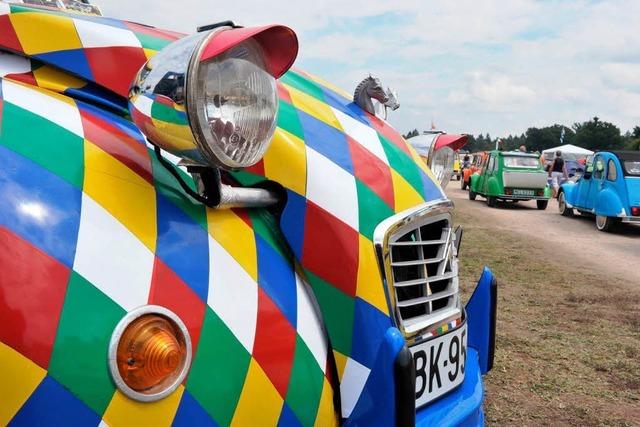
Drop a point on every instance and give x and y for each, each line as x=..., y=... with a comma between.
x=313, y=107
x=370, y=287
x=285, y=161
x=125, y=194
x=260, y=403
x=236, y=237
x=19, y=378
x=55, y=79
x=327, y=415
x=179, y=136
x=341, y=362
x=124, y=411
x=404, y=194
x=149, y=53
x=422, y=163
x=41, y=33
x=331, y=86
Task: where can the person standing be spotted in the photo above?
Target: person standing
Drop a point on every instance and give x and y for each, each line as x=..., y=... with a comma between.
x=558, y=173
x=523, y=149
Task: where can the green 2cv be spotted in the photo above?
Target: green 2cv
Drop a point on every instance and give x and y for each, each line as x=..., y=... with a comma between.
x=511, y=176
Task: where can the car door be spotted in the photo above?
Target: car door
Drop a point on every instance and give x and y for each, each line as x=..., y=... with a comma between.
x=596, y=185
x=486, y=173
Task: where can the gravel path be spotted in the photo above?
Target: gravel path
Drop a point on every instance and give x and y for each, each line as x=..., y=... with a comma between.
x=573, y=240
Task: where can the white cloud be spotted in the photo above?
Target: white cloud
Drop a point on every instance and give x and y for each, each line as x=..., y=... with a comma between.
x=470, y=65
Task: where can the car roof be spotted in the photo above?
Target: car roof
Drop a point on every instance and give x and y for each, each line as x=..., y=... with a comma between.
x=627, y=155
x=516, y=153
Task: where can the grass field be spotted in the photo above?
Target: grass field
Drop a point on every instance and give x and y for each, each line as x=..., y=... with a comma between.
x=568, y=340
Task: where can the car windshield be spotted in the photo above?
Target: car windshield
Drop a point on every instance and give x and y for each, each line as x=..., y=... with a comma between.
x=521, y=162
x=632, y=167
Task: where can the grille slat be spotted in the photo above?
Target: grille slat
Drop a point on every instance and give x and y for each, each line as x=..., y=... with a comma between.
x=424, y=272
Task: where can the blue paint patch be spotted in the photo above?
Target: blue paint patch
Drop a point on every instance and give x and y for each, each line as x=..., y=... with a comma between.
x=288, y=418
x=345, y=106
x=183, y=246
x=431, y=190
x=39, y=206
x=190, y=413
x=95, y=94
x=53, y=405
x=116, y=121
x=326, y=140
x=369, y=324
x=74, y=60
x=292, y=221
x=276, y=277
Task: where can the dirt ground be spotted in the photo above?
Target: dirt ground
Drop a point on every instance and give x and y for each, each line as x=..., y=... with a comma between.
x=568, y=328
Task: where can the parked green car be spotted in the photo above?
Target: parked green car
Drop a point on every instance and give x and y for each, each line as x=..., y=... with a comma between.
x=511, y=176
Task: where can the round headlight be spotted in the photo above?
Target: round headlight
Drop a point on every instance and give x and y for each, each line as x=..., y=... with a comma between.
x=233, y=103
x=442, y=165
x=149, y=353
x=211, y=97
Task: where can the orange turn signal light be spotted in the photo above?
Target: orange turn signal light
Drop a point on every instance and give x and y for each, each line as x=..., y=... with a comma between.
x=152, y=354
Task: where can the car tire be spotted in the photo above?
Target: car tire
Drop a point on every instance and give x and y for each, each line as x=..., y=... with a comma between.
x=491, y=201
x=542, y=204
x=472, y=194
x=562, y=206
x=606, y=223
x=458, y=177
x=463, y=184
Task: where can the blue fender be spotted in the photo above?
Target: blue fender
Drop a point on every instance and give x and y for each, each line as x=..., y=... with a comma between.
x=481, y=318
x=608, y=203
x=570, y=190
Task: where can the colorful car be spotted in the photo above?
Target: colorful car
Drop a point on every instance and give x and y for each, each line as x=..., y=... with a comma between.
x=439, y=151
x=477, y=160
x=511, y=176
x=608, y=189
x=456, y=167
x=193, y=233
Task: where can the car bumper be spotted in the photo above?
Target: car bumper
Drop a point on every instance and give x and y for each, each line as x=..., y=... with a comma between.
x=507, y=197
x=631, y=219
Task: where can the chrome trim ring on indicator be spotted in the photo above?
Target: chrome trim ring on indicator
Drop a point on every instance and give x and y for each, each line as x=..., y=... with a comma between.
x=113, y=350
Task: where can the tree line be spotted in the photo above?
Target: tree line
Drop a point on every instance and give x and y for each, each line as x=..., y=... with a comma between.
x=593, y=135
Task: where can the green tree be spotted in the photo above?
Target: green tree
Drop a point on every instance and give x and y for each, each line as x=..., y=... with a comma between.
x=597, y=135
x=540, y=139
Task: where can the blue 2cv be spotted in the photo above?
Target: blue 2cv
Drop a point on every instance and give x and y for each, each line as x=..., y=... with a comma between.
x=609, y=189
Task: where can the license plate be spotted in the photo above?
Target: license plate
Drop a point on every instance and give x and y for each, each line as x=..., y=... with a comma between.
x=440, y=364
x=518, y=192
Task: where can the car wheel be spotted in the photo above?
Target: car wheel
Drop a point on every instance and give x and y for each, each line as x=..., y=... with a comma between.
x=605, y=223
x=491, y=202
x=463, y=184
x=458, y=177
x=472, y=194
x=562, y=206
x=542, y=204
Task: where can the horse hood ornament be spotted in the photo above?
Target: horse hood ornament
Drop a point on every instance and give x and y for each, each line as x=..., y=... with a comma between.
x=371, y=89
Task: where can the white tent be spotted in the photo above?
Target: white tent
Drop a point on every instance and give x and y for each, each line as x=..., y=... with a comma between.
x=569, y=152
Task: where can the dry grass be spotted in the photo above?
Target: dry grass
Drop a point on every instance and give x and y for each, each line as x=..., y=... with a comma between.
x=568, y=340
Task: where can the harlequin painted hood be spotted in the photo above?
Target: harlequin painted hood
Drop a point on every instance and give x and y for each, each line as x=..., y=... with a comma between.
x=344, y=171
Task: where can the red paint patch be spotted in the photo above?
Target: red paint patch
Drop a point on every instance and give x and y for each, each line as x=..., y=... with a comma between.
x=115, y=67
x=154, y=32
x=257, y=169
x=323, y=233
x=388, y=132
x=8, y=37
x=283, y=93
x=169, y=291
x=372, y=171
x=275, y=343
x=118, y=144
x=244, y=215
x=32, y=290
x=27, y=78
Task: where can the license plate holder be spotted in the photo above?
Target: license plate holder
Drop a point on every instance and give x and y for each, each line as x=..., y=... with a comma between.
x=440, y=364
x=523, y=192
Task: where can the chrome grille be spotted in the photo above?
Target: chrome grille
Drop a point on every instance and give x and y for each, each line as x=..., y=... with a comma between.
x=417, y=251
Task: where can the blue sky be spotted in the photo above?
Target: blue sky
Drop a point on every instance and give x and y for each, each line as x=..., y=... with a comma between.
x=470, y=66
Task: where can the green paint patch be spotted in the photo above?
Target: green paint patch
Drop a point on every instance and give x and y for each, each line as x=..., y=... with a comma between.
x=288, y=119
x=47, y=144
x=303, y=84
x=305, y=385
x=403, y=164
x=218, y=370
x=168, y=114
x=168, y=186
x=337, y=310
x=265, y=225
x=79, y=359
x=371, y=209
x=149, y=42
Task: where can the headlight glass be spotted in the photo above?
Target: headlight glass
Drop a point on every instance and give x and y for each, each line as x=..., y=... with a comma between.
x=442, y=165
x=236, y=105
